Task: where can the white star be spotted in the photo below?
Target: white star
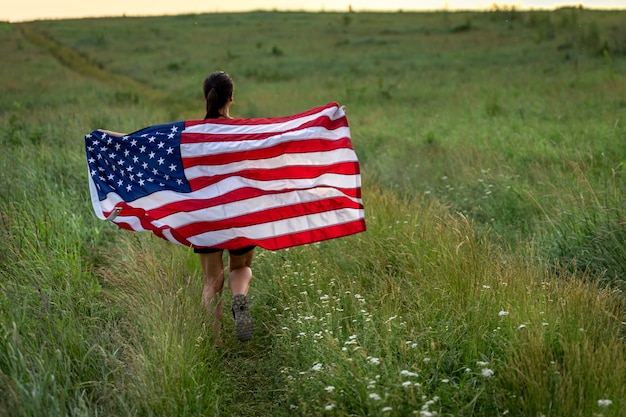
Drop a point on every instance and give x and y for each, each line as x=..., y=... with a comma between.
x=88, y=135
x=120, y=162
x=144, y=165
x=104, y=135
x=91, y=160
x=179, y=181
x=161, y=161
x=120, y=183
x=135, y=159
x=167, y=177
x=126, y=152
x=151, y=139
x=171, y=136
x=150, y=179
x=131, y=177
x=110, y=177
x=174, y=128
x=140, y=174
x=129, y=187
x=90, y=148
x=142, y=149
x=151, y=155
x=141, y=183
x=103, y=149
x=112, y=155
x=172, y=167
x=170, y=150
x=117, y=146
x=161, y=145
x=133, y=142
x=93, y=172
x=155, y=171
x=130, y=168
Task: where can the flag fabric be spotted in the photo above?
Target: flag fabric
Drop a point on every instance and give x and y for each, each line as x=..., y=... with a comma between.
x=231, y=183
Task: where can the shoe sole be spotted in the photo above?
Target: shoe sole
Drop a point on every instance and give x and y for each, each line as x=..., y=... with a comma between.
x=243, y=319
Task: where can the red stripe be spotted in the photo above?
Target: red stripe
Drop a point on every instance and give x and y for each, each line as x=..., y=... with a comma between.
x=269, y=215
x=280, y=174
x=200, y=137
x=299, y=238
x=263, y=121
x=310, y=145
x=240, y=194
x=145, y=222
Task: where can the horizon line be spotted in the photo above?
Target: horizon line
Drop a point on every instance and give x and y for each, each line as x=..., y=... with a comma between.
x=503, y=7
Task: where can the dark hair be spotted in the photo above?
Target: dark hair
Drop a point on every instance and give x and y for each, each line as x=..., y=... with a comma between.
x=218, y=89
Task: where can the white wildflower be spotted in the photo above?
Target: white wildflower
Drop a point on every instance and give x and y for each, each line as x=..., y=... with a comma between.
x=404, y=372
x=329, y=388
x=374, y=396
x=503, y=313
x=604, y=403
x=486, y=372
x=329, y=407
x=373, y=361
x=481, y=363
x=317, y=367
x=385, y=409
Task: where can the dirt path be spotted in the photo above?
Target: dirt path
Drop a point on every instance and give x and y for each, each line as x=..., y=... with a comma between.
x=81, y=64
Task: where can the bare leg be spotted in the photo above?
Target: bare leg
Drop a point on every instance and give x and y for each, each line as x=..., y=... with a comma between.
x=213, y=271
x=240, y=272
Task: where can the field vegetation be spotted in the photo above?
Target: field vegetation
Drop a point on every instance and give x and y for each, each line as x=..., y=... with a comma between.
x=490, y=281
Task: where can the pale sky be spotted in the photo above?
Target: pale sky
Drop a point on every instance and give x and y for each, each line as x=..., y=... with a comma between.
x=21, y=10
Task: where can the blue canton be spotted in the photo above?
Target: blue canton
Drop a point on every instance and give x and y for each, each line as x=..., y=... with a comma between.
x=137, y=164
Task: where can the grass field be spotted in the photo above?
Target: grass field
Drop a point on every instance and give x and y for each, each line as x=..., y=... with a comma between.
x=490, y=281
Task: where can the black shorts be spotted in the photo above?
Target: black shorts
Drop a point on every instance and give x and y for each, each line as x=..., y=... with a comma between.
x=236, y=252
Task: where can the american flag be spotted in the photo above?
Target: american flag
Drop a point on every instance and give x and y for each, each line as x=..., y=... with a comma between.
x=231, y=183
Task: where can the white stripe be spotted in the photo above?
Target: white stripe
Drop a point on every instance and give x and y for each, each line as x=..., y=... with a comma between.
x=279, y=228
x=132, y=221
x=188, y=150
x=253, y=205
x=159, y=198
x=167, y=234
x=306, y=160
x=333, y=113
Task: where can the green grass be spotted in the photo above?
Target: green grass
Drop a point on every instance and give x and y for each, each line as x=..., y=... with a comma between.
x=490, y=280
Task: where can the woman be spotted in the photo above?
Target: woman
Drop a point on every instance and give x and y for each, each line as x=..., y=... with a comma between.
x=218, y=93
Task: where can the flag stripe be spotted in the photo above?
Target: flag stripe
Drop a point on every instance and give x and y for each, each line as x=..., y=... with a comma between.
x=260, y=232
x=217, y=131
x=205, y=155
x=278, y=174
x=240, y=194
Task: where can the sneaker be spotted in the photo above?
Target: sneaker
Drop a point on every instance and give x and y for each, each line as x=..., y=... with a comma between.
x=242, y=316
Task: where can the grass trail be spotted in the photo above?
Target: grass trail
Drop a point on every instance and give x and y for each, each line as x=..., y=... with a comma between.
x=71, y=58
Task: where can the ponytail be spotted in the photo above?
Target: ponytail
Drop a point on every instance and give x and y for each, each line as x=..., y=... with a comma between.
x=218, y=90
